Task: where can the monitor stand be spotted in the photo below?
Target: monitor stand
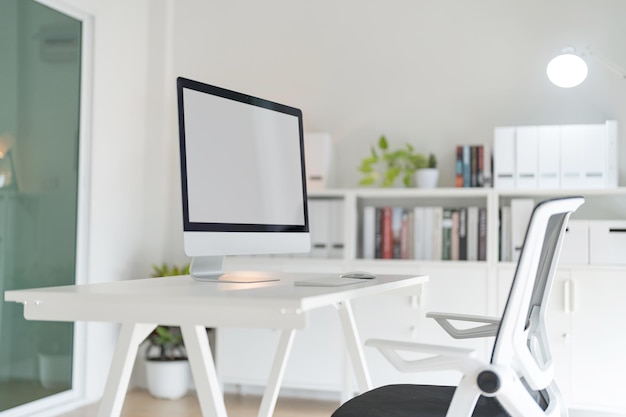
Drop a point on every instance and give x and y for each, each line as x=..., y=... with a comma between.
x=209, y=269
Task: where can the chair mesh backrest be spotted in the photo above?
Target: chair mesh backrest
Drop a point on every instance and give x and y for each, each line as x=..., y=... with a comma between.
x=532, y=282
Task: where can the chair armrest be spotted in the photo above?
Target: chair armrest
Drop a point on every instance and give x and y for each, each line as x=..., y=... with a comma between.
x=489, y=325
x=440, y=357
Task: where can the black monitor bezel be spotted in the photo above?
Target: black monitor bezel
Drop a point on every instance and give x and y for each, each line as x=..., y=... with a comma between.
x=189, y=226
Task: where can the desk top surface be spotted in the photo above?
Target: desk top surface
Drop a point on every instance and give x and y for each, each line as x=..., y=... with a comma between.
x=184, y=289
x=185, y=297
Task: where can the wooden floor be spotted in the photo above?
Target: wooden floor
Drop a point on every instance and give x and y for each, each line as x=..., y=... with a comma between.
x=139, y=403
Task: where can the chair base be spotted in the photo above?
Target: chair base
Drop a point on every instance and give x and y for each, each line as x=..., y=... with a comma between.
x=406, y=400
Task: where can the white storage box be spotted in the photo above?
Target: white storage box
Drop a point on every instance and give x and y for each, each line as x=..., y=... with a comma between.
x=575, y=248
x=607, y=242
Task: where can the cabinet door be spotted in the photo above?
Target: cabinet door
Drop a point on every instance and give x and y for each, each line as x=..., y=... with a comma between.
x=558, y=326
x=598, y=340
x=558, y=317
x=403, y=318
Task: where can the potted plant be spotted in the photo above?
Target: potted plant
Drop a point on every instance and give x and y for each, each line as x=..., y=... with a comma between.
x=428, y=175
x=167, y=367
x=385, y=166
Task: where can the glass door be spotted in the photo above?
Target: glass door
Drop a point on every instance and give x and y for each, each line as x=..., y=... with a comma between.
x=39, y=136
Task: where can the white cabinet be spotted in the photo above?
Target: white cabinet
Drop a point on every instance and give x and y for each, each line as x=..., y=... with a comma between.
x=586, y=336
x=588, y=352
x=598, y=338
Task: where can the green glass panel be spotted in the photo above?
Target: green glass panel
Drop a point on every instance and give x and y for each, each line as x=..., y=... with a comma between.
x=39, y=124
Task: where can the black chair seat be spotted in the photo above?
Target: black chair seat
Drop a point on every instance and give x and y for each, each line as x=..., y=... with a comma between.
x=407, y=400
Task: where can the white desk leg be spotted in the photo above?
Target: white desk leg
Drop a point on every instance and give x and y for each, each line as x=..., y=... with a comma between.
x=355, y=349
x=276, y=374
x=130, y=337
x=203, y=370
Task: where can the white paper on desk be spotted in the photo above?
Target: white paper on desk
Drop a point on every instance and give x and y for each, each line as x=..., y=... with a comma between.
x=333, y=281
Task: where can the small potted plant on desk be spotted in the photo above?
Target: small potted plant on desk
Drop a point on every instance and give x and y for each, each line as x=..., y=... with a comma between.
x=167, y=367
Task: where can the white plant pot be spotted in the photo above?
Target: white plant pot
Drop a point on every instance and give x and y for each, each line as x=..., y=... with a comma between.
x=168, y=379
x=427, y=177
x=55, y=370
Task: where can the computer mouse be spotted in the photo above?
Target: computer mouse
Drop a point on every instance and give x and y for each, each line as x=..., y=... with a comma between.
x=358, y=274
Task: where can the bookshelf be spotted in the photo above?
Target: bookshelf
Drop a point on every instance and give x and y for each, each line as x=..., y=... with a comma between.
x=472, y=287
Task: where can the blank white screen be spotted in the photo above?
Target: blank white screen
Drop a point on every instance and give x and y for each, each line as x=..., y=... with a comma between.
x=243, y=162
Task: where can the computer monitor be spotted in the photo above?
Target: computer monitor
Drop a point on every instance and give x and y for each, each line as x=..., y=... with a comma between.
x=243, y=178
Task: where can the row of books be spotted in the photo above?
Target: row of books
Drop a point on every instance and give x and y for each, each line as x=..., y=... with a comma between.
x=473, y=166
x=424, y=233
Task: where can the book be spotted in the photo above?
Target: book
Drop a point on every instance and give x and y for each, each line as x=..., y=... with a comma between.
x=459, y=166
x=480, y=175
x=387, y=233
x=482, y=234
x=436, y=245
x=487, y=164
x=368, y=240
x=419, y=234
x=378, y=234
x=474, y=166
x=396, y=229
x=463, y=234
x=410, y=228
x=467, y=166
x=446, y=234
x=472, y=233
x=454, y=236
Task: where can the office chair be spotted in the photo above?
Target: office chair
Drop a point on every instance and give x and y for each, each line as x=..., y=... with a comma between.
x=518, y=380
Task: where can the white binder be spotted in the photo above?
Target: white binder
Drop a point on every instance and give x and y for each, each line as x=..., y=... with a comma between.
x=504, y=157
x=549, y=157
x=318, y=156
x=526, y=150
x=319, y=227
x=572, y=156
x=595, y=156
x=337, y=225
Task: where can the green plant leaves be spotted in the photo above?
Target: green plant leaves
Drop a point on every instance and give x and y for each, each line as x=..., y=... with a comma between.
x=384, y=166
x=165, y=270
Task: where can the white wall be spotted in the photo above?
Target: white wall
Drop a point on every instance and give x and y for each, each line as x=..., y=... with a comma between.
x=433, y=73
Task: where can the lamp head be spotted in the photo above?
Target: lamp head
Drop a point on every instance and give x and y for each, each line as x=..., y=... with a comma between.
x=568, y=69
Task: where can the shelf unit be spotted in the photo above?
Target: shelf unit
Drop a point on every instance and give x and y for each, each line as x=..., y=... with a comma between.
x=600, y=204
x=476, y=287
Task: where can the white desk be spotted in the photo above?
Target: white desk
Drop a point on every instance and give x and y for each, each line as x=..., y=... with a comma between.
x=140, y=305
